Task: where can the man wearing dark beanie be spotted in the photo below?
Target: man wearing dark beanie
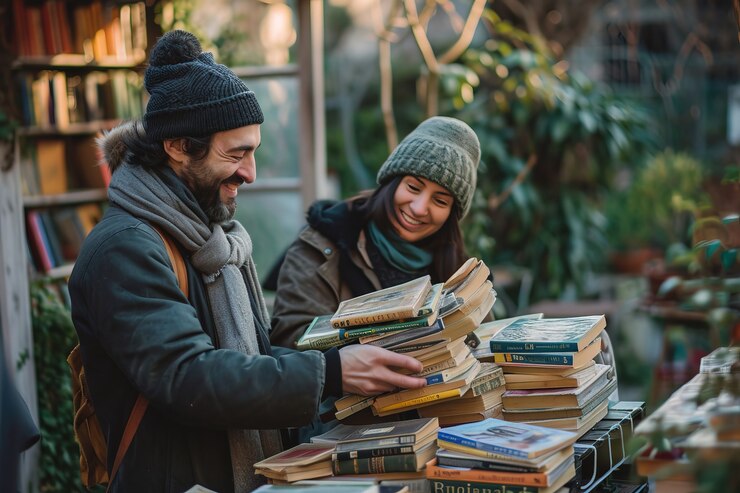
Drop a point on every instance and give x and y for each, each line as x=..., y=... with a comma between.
x=216, y=389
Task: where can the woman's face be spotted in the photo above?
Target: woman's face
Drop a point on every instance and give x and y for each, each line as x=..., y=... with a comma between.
x=421, y=208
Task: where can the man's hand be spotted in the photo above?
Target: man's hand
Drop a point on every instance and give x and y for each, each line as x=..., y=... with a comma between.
x=368, y=370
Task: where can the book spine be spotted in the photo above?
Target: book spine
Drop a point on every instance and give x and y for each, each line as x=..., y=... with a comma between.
x=487, y=386
x=479, y=464
x=534, y=358
x=376, y=465
x=354, y=408
x=369, y=331
x=321, y=342
x=376, y=443
x=339, y=323
x=521, y=479
x=533, y=347
x=375, y=452
x=477, y=445
x=425, y=399
x=445, y=485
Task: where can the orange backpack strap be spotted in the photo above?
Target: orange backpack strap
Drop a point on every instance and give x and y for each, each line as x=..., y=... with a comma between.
x=137, y=413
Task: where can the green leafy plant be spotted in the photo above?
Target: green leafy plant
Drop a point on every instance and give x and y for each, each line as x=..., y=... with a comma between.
x=658, y=206
x=552, y=142
x=53, y=339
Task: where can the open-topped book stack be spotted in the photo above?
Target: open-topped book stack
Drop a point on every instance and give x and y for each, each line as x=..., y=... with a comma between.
x=551, y=377
x=493, y=455
x=427, y=322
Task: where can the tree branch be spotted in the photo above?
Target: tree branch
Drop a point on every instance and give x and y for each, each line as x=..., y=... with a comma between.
x=495, y=201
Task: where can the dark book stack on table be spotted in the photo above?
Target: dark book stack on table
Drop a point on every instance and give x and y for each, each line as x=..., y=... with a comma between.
x=391, y=451
x=495, y=455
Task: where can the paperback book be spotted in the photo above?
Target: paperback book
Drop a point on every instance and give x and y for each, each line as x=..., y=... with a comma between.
x=364, y=437
x=572, y=360
x=392, y=303
x=550, y=398
x=516, y=440
x=548, y=335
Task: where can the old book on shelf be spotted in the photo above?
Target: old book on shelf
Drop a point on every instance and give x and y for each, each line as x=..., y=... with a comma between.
x=52, y=166
x=429, y=438
x=567, y=359
x=517, y=440
x=549, y=398
x=468, y=278
x=393, y=303
x=548, y=335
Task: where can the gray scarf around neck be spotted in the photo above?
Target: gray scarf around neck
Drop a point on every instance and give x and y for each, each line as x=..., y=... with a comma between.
x=222, y=253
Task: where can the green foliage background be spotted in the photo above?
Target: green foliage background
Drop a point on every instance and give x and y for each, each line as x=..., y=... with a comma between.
x=53, y=338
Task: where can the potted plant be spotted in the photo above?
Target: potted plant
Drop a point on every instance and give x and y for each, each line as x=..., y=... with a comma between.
x=654, y=213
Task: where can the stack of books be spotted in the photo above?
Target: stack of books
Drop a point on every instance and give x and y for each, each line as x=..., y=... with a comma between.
x=493, y=455
x=391, y=450
x=551, y=377
x=430, y=323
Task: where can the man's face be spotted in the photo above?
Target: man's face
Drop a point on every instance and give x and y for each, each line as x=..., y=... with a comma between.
x=214, y=180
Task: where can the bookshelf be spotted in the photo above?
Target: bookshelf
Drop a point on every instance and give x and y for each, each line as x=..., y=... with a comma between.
x=78, y=71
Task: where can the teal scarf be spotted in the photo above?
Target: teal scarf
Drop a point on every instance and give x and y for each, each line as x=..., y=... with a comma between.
x=398, y=252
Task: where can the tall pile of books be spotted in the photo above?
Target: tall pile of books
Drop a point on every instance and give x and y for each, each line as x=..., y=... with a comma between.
x=550, y=373
x=430, y=323
x=494, y=455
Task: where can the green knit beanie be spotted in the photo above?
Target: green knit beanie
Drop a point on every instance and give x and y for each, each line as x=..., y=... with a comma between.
x=442, y=149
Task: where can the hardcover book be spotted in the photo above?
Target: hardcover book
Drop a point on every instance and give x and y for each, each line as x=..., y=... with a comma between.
x=516, y=440
x=393, y=303
x=548, y=335
x=408, y=462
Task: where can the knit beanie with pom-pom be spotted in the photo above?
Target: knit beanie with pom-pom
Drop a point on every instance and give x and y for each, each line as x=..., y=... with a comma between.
x=190, y=95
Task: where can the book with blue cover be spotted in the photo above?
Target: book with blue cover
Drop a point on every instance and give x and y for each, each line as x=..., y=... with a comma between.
x=570, y=334
x=518, y=440
x=576, y=359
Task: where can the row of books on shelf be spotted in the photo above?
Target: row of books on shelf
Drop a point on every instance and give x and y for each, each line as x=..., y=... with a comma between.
x=54, y=237
x=486, y=456
x=60, y=99
x=93, y=31
x=53, y=166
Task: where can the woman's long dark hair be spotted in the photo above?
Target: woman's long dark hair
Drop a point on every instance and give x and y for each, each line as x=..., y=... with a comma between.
x=446, y=245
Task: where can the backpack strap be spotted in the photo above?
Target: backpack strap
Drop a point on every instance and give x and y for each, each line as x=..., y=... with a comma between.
x=137, y=413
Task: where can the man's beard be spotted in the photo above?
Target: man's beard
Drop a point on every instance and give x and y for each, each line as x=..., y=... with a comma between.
x=207, y=191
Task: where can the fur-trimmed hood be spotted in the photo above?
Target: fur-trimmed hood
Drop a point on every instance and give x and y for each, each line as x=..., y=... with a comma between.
x=113, y=142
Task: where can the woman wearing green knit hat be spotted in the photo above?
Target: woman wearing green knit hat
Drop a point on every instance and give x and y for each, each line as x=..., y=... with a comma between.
x=406, y=228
